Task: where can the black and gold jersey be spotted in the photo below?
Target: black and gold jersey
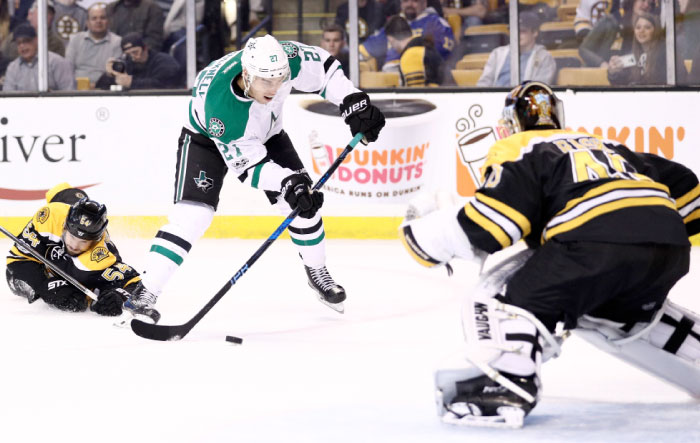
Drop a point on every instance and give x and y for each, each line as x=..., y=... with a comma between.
x=420, y=64
x=100, y=267
x=574, y=186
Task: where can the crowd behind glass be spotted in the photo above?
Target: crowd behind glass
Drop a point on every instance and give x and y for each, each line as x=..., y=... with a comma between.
x=141, y=44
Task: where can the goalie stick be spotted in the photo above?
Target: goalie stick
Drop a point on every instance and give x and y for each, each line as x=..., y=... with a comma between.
x=176, y=332
x=22, y=245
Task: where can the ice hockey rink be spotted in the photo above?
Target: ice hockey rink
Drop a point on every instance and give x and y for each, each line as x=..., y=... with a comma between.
x=303, y=373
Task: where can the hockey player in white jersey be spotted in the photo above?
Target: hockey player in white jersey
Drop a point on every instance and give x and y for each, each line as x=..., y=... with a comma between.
x=235, y=123
x=607, y=234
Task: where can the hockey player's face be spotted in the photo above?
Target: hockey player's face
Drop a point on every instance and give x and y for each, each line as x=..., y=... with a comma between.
x=74, y=245
x=643, y=31
x=263, y=90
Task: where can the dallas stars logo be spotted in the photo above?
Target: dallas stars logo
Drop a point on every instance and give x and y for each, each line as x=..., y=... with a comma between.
x=216, y=127
x=290, y=49
x=203, y=182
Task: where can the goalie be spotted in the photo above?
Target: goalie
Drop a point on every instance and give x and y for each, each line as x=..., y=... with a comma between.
x=71, y=232
x=607, y=234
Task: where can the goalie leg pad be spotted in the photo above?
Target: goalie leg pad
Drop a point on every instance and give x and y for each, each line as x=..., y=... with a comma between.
x=668, y=347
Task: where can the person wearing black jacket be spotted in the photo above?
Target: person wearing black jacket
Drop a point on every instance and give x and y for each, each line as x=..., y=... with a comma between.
x=139, y=67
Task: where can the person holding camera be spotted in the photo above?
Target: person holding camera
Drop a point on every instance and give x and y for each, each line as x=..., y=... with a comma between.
x=139, y=67
x=646, y=64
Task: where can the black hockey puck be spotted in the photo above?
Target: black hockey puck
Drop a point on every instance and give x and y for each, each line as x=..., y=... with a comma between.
x=234, y=340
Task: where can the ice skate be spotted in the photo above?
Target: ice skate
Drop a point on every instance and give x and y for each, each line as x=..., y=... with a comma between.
x=481, y=401
x=140, y=305
x=329, y=292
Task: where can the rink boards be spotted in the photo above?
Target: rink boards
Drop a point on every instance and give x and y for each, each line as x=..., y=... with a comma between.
x=123, y=149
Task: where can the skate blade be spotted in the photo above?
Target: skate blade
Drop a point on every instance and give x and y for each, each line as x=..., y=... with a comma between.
x=507, y=418
x=337, y=307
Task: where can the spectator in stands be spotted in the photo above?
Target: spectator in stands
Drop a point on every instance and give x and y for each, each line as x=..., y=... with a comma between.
x=472, y=12
x=535, y=62
x=142, y=16
x=69, y=19
x=174, y=26
x=54, y=41
x=589, y=12
x=687, y=28
x=5, y=35
x=423, y=21
x=602, y=42
x=369, y=17
x=139, y=67
x=88, y=51
x=420, y=64
x=22, y=73
x=646, y=63
x=333, y=41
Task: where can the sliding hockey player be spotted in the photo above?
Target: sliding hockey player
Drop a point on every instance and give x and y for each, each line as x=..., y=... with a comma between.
x=235, y=123
x=70, y=231
x=607, y=231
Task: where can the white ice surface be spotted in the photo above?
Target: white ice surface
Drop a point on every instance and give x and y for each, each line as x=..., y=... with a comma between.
x=303, y=372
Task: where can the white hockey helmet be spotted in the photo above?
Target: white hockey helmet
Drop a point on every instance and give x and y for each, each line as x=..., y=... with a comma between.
x=264, y=57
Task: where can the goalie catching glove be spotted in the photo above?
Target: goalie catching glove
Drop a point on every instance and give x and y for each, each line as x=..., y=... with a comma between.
x=362, y=116
x=296, y=191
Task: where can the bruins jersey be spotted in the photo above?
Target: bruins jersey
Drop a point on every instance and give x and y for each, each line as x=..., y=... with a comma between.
x=573, y=186
x=420, y=64
x=100, y=267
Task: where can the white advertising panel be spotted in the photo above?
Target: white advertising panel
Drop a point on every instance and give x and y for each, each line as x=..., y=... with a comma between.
x=123, y=149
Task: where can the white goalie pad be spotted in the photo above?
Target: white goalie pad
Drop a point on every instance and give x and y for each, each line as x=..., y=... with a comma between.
x=668, y=347
x=499, y=338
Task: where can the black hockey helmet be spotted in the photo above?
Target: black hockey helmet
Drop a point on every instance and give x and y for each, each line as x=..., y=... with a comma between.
x=532, y=105
x=87, y=219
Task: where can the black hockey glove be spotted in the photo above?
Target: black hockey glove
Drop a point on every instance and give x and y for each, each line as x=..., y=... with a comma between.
x=362, y=116
x=61, y=294
x=110, y=302
x=296, y=191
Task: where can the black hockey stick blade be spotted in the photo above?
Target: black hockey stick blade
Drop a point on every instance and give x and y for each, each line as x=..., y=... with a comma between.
x=172, y=333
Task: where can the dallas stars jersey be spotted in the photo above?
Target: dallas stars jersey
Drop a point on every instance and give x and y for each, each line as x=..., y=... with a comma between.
x=239, y=126
x=573, y=186
x=100, y=267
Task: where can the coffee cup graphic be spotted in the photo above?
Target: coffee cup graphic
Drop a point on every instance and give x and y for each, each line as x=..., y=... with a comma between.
x=473, y=148
x=391, y=169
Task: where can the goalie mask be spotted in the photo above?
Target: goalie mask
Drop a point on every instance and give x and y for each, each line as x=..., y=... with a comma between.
x=86, y=220
x=264, y=58
x=532, y=105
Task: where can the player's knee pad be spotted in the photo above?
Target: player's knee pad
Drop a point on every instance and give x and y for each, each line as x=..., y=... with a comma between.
x=668, y=347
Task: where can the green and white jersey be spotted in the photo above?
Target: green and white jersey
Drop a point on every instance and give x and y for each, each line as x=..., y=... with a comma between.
x=240, y=126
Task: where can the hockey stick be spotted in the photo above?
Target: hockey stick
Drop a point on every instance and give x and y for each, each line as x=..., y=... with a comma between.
x=21, y=244
x=165, y=332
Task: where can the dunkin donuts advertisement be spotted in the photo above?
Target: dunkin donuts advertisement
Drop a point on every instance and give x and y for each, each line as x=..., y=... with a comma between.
x=392, y=169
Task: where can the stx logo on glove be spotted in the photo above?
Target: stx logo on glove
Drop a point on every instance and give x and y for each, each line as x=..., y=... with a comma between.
x=355, y=107
x=56, y=284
